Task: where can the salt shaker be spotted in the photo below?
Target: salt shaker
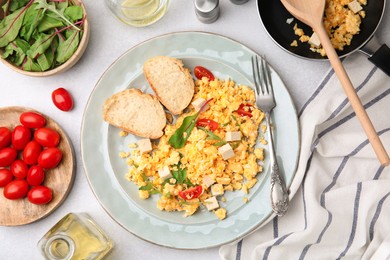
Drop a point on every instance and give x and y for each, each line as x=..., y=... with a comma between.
x=207, y=11
x=75, y=236
x=239, y=2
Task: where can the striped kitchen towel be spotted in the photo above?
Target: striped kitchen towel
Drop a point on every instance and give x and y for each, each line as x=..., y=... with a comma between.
x=342, y=206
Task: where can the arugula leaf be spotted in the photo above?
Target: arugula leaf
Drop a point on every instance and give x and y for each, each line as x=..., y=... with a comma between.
x=149, y=186
x=74, y=12
x=67, y=47
x=212, y=136
x=179, y=138
x=45, y=6
x=11, y=24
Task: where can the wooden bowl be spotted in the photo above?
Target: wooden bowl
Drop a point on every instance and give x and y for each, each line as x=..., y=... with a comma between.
x=59, y=179
x=66, y=65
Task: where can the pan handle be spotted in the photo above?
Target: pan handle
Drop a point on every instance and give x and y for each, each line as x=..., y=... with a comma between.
x=378, y=54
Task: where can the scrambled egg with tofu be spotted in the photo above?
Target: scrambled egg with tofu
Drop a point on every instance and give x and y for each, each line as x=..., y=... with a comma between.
x=342, y=21
x=218, y=155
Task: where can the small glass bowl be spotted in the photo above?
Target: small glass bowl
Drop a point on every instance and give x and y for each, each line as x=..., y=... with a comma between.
x=138, y=13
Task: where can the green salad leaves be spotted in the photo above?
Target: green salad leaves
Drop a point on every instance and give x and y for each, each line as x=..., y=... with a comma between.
x=38, y=35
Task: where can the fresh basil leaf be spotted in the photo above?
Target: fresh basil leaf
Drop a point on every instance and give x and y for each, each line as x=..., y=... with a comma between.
x=179, y=138
x=10, y=26
x=74, y=12
x=30, y=65
x=66, y=48
x=40, y=46
x=48, y=22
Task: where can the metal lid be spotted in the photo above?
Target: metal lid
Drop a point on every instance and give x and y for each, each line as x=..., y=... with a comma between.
x=207, y=11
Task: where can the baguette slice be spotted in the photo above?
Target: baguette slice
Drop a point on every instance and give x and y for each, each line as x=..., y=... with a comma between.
x=172, y=83
x=135, y=112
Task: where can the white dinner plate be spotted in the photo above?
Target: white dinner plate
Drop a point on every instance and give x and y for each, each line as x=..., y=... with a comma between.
x=105, y=170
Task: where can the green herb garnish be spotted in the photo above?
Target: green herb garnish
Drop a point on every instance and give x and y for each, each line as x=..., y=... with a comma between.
x=212, y=136
x=149, y=186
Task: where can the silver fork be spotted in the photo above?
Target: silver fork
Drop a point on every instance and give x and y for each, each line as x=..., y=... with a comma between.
x=266, y=102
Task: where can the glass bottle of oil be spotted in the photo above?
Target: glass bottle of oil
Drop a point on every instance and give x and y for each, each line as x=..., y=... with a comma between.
x=75, y=236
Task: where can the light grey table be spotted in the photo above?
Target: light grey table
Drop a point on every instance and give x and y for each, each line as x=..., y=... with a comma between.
x=109, y=39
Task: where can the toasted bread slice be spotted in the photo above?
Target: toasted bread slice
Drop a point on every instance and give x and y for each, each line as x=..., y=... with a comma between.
x=172, y=83
x=135, y=112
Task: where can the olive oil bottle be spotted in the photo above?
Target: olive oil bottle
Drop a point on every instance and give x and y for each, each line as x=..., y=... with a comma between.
x=75, y=236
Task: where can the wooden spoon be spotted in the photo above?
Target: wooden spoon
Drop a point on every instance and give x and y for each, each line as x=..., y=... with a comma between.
x=311, y=13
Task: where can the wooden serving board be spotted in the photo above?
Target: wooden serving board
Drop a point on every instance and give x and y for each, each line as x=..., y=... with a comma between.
x=59, y=179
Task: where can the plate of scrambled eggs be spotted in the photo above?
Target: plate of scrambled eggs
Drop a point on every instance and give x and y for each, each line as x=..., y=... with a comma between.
x=134, y=187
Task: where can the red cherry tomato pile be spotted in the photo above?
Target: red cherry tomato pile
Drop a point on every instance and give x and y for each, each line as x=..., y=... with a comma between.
x=25, y=153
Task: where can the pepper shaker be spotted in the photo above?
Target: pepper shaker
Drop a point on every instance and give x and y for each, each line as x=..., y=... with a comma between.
x=207, y=11
x=239, y=2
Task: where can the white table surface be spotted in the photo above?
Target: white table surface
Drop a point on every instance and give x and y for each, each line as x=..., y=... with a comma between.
x=109, y=39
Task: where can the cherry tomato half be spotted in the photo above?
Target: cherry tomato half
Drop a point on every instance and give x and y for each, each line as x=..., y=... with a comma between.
x=40, y=195
x=50, y=157
x=19, y=169
x=21, y=135
x=35, y=175
x=191, y=193
x=62, y=99
x=31, y=152
x=7, y=156
x=32, y=119
x=16, y=189
x=204, y=122
x=5, y=137
x=201, y=72
x=47, y=137
x=5, y=177
x=245, y=110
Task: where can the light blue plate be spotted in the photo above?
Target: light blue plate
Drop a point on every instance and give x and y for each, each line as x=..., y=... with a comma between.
x=101, y=144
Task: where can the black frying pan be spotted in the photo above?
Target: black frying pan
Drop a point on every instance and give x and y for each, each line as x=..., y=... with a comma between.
x=274, y=16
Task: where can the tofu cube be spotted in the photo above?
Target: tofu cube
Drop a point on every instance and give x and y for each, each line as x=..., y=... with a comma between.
x=226, y=151
x=355, y=6
x=217, y=189
x=198, y=103
x=208, y=181
x=233, y=136
x=314, y=40
x=211, y=203
x=144, y=145
x=164, y=173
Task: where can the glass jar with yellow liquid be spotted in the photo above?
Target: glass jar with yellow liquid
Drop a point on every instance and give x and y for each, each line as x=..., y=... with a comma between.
x=138, y=12
x=75, y=236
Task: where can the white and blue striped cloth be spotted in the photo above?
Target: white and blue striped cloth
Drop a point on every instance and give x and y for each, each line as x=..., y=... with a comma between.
x=341, y=209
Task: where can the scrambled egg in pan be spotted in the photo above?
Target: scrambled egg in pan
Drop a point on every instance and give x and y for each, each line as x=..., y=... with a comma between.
x=215, y=158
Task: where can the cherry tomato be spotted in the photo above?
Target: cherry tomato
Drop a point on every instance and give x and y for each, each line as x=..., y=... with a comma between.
x=62, y=99
x=245, y=110
x=5, y=137
x=19, y=169
x=21, y=135
x=5, y=177
x=7, y=156
x=201, y=72
x=47, y=137
x=16, y=189
x=40, y=195
x=191, y=193
x=203, y=122
x=31, y=152
x=32, y=119
x=35, y=175
x=50, y=158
